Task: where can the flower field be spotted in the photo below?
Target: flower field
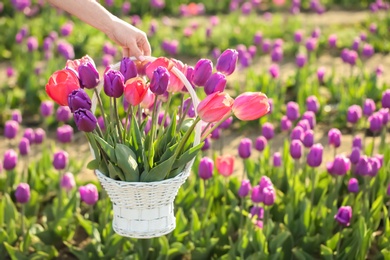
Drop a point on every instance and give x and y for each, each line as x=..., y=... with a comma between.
x=297, y=168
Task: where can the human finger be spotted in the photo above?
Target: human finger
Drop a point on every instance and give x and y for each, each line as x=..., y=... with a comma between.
x=126, y=52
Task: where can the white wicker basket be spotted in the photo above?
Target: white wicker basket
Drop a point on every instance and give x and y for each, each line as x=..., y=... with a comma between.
x=146, y=209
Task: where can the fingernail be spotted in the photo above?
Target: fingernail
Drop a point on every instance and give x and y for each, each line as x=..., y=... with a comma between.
x=141, y=58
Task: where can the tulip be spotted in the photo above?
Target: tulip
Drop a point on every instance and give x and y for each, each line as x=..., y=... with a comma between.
x=135, y=91
x=89, y=194
x=32, y=43
x=310, y=117
x=257, y=38
x=60, y=160
x=225, y=165
x=24, y=146
x=88, y=74
x=332, y=40
x=300, y=60
x=113, y=83
x=78, y=98
x=277, y=159
x=386, y=99
x=292, y=111
x=353, y=185
x=47, y=108
x=257, y=211
x=368, y=50
x=261, y=143
x=39, y=135
x=226, y=63
x=11, y=129
x=85, y=120
x=245, y=188
x=352, y=57
x=227, y=123
x=277, y=54
x=63, y=113
x=363, y=166
x=344, y=215
x=304, y=123
x=355, y=44
x=354, y=157
x=68, y=181
x=357, y=142
x=334, y=137
x=215, y=107
x=297, y=133
x=202, y=72
x=375, y=121
x=375, y=166
x=298, y=36
x=321, y=74
x=16, y=116
x=308, y=138
x=245, y=148
x=22, y=193
x=128, y=68
x=269, y=196
x=216, y=83
x=251, y=106
x=384, y=112
x=267, y=130
x=10, y=160
x=206, y=168
x=354, y=114
x=265, y=181
x=65, y=134
x=257, y=195
x=274, y=70
x=368, y=107
x=266, y=46
x=206, y=144
x=61, y=84
x=285, y=123
x=311, y=44
x=296, y=149
x=160, y=80
x=66, y=29
x=340, y=165
x=314, y=157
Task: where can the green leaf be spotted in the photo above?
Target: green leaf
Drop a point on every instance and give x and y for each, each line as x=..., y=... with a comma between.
x=106, y=148
x=94, y=145
x=93, y=164
x=301, y=255
x=127, y=162
x=187, y=156
x=326, y=252
x=176, y=250
x=159, y=172
x=278, y=241
x=14, y=253
x=115, y=171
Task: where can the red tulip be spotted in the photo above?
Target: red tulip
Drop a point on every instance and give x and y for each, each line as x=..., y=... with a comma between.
x=225, y=165
x=74, y=64
x=251, y=106
x=215, y=107
x=135, y=90
x=61, y=84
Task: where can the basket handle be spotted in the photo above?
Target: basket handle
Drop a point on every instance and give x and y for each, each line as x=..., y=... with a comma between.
x=180, y=75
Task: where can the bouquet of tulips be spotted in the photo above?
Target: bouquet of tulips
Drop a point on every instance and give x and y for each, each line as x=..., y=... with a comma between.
x=150, y=135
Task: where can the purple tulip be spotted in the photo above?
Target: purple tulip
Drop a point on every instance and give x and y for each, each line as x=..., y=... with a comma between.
x=113, y=83
x=311, y=44
x=206, y=144
x=226, y=63
x=386, y=99
x=216, y=83
x=89, y=194
x=63, y=113
x=10, y=72
x=60, y=160
x=261, y=143
x=363, y=166
x=216, y=133
x=16, y=116
x=128, y=68
x=368, y=107
x=126, y=6
x=321, y=74
x=355, y=44
x=368, y=50
x=245, y=188
x=257, y=211
x=39, y=135
x=67, y=181
x=88, y=75
x=202, y=71
x=277, y=54
x=157, y=4
x=274, y=70
x=332, y=41
x=375, y=166
x=354, y=114
x=310, y=117
x=344, y=215
x=265, y=181
x=10, y=160
x=296, y=149
x=161, y=117
x=278, y=43
x=375, y=121
x=352, y=57
x=354, y=157
x=267, y=130
x=78, y=98
x=285, y=123
x=24, y=146
x=257, y=195
x=304, y=123
x=384, y=112
x=206, y=168
x=297, y=133
x=66, y=50
x=314, y=157
x=227, y=123
x=64, y=134
x=47, y=108
x=190, y=110
x=300, y=60
x=257, y=38
x=29, y=134
x=292, y=111
x=316, y=33
x=22, y=193
x=357, y=142
x=66, y=29
x=85, y=120
x=308, y=138
x=245, y=148
x=277, y=159
x=160, y=80
x=353, y=185
x=334, y=137
x=11, y=129
x=269, y=196
x=340, y=166
x=266, y=45
x=298, y=36
x=32, y=43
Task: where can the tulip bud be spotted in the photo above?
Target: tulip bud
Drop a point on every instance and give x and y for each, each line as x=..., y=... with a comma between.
x=128, y=68
x=274, y=70
x=24, y=146
x=267, y=130
x=206, y=168
x=304, y=123
x=63, y=114
x=277, y=54
x=61, y=84
x=244, y=188
x=357, y=142
x=298, y=36
x=245, y=148
x=202, y=72
x=353, y=185
x=269, y=196
x=258, y=212
x=321, y=74
x=297, y=133
x=310, y=117
x=265, y=181
x=216, y=83
x=277, y=159
x=363, y=166
x=332, y=40
x=368, y=107
x=261, y=143
x=215, y=107
x=334, y=137
x=386, y=99
x=78, y=98
x=88, y=75
x=10, y=160
x=312, y=104
x=160, y=80
x=85, y=120
x=292, y=111
x=89, y=194
x=11, y=129
x=257, y=194
x=354, y=157
x=285, y=123
x=225, y=165
x=354, y=114
x=39, y=135
x=32, y=43
x=340, y=165
x=65, y=134
x=16, y=116
x=311, y=44
x=375, y=121
x=60, y=160
x=68, y=181
x=300, y=60
x=368, y=50
x=206, y=144
x=22, y=193
x=47, y=108
x=314, y=157
x=344, y=215
x=296, y=149
x=226, y=63
x=250, y=106
x=113, y=83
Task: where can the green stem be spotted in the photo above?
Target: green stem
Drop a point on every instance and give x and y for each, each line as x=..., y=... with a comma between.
x=244, y=170
x=129, y=110
x=92, y=220
x=118, y=121
x=265, y=229
x=204, y=136
x=165, y=115
x=139, y=111
x=151, y=139
x=59, y=193
x=339, y=242
x=365, y=196
x=101, y=106
x=22, y=220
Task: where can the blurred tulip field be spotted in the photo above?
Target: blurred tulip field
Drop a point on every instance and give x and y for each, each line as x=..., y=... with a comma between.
x=310, y=180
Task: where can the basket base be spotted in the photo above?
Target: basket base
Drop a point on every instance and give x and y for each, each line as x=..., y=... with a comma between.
x=143, y=223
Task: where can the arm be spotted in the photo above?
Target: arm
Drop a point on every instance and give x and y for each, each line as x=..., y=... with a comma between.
x=133, y=41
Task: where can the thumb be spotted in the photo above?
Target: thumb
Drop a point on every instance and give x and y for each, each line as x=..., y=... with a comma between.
x=138, y=54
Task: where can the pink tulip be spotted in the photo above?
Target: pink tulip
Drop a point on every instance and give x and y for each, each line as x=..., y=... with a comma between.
x=135, y=90
x=148, y=100
x=215, y=107
x=251, y=106
x=225, y=165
